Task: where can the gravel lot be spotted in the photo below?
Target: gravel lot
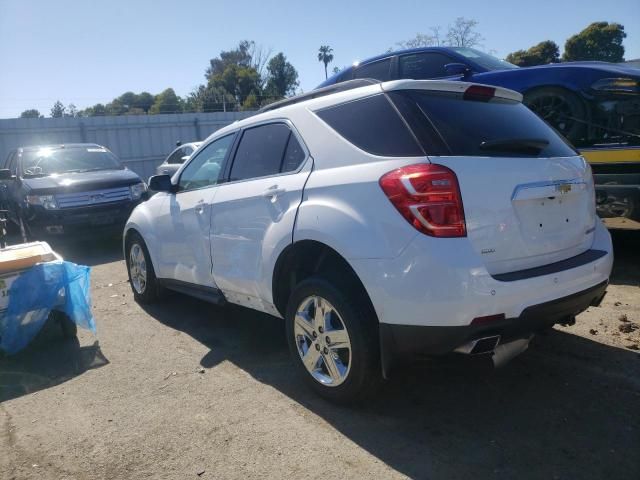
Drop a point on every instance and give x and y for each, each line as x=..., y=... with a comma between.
x=187, y=390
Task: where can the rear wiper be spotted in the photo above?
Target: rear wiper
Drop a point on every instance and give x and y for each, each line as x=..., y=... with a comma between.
x=524, y=145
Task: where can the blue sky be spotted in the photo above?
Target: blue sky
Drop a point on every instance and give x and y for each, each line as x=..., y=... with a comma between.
x=85, y=52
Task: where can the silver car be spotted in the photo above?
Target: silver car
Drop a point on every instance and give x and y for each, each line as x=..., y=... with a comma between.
x=177, y=158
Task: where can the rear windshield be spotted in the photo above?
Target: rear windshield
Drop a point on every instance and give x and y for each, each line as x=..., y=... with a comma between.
x=495, y=128
x=49, y=161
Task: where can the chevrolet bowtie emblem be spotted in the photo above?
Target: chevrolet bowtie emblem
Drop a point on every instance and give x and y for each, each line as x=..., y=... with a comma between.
x=563, y=188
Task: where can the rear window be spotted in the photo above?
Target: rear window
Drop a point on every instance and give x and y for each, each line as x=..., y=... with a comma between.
x=498, y=127
x=373, y=125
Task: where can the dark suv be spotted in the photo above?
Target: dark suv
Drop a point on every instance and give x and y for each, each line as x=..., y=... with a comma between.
x=73, y=189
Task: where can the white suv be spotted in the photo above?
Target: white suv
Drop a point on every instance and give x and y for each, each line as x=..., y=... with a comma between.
x=381, y=221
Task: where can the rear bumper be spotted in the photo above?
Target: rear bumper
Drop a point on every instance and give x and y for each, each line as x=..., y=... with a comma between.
x=445, y=283
x=401, y=341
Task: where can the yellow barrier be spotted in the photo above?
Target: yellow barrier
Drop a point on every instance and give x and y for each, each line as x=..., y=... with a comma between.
x=611, y=155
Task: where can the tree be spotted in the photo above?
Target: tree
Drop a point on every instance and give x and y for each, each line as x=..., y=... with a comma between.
x=282, y=77
x=167, y=102
x=540, y=54
x=31, y=113
x=599, y=41
x=143, y=101
x=97, y=110
x=325, y=56
x=57, y=110
x=72, y=111
x=433, y=39
x=463, y=33
x=335, y=70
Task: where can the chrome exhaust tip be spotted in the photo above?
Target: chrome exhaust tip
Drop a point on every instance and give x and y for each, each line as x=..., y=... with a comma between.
x=506, y=352
x=479, y=345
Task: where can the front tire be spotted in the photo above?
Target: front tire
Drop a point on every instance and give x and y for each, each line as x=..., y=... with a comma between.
x=333, y=340
x=142, y=277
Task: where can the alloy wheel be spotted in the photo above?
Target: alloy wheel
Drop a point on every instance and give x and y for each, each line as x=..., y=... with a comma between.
x=138, y=268
x=322, y=341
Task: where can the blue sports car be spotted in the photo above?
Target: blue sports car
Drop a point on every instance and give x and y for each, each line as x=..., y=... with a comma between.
x=589, y=102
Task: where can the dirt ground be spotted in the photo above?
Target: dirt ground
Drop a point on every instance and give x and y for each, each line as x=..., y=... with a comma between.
x=187, y=390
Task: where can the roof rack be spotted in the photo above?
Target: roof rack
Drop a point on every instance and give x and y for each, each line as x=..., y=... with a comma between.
x=320, y=92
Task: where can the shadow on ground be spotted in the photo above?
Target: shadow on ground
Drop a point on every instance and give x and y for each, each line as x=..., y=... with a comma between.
x=568, y=408
x=49, y=360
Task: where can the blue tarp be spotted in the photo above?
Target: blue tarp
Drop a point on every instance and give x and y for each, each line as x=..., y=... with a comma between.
x=59, y=285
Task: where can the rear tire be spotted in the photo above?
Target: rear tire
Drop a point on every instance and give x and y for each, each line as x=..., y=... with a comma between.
x=562, y=109
x=142, y=277
x=345, y=368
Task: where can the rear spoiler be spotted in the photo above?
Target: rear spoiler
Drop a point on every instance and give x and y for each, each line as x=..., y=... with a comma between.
x=450, y=86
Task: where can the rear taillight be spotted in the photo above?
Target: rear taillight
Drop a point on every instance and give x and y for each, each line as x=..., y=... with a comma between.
x=428, y=197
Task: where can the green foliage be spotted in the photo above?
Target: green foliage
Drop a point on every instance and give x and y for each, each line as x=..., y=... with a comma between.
x=282, y=78
x=325, y=55
x=167, y=102
x=57, y=111
x=599, y=41
x=540, y=54
x=31, y=113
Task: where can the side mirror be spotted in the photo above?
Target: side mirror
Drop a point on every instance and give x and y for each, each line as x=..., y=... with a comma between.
x=161, y=183
x=457, y=69
x=5, y=174
x=185, y=158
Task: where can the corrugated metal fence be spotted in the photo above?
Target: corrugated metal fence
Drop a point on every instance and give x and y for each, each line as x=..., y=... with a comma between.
x=140, y=141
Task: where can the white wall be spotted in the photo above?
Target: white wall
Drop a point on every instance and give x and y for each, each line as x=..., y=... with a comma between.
x=140, y=141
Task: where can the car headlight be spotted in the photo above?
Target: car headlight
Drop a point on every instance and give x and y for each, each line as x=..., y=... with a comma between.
x=47, y=201
x=617, y=85
x=137, y=190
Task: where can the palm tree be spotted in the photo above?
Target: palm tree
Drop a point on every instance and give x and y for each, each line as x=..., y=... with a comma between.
x=325, y=56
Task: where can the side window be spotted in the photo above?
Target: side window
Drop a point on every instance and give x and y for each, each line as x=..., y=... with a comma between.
x=204, y=169
x=372, y=125
x=378, y=70
x=176, y=156
x=260, y=152
x=422, y=66
x=11, y=162
x=293, y=155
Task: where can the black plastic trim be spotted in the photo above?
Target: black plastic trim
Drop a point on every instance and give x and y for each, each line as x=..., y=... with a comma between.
x=401, y=341
x=573, y=262
x=208, y=294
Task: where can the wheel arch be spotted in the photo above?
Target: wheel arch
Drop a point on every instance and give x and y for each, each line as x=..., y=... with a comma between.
x=305, y=258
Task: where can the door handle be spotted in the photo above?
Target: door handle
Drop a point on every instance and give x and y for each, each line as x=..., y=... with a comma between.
x=200, y=206
x=273, y=192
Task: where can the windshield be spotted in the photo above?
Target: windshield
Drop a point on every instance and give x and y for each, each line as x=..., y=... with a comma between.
x=49, y=161
x=483, y=59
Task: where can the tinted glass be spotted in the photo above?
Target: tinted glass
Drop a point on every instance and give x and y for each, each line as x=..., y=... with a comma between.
x=260, y=151
x=293, y=155
x=49, y=160
x=373, y=125
x=465, y=124
x=378, y=70
x=483, y=59
x=176, y=156
x=204, y=169
x=421, y=66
